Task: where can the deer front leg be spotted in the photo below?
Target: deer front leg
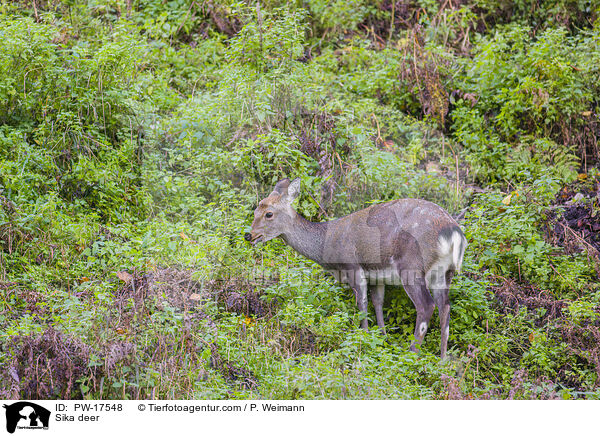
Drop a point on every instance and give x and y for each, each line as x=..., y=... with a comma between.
x=358, y=283
x=377, y=294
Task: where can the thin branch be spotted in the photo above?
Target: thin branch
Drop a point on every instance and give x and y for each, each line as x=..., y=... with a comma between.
x=392, y=21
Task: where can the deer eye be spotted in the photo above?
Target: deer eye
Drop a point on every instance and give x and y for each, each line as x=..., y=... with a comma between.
x=269, y=214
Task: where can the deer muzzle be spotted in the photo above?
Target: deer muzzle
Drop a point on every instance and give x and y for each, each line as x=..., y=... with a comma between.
x=253, y=239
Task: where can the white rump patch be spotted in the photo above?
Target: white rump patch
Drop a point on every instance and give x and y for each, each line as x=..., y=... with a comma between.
x=449, y=257
x=445, y=245
x=457, y=240
x=435, y=278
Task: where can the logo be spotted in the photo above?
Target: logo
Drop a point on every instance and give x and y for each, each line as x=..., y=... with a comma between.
x=26, y=415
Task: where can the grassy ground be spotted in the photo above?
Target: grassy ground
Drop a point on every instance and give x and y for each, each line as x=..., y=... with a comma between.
x=136, y=138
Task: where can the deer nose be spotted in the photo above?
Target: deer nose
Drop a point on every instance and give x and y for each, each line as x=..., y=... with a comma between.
x=248, y=237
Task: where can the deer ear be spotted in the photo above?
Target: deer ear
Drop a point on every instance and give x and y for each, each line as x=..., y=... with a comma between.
x=293, y=189
x=282, y=186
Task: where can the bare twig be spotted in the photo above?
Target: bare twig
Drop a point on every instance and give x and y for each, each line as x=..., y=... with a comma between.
x=260, y=30
x=392, y=21
x=184, y=18
x=591, y=249
x=456, y=164
x=318, y=204
x=35, y=11
x=379, y=138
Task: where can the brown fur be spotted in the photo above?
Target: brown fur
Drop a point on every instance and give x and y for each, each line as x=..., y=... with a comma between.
x=413, y=240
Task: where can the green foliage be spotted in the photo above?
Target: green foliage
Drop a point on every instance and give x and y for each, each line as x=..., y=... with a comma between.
x=546, y=88
x=273, y=39
x=544, y=13
x=136, y=137
x=528, y=95
x=507, y=240
x=339, y=16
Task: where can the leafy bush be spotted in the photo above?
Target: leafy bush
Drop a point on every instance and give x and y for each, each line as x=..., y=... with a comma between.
x=338, y=16
x=508, y=240
x=522, y=98
x=271, y=39
x=136, y=138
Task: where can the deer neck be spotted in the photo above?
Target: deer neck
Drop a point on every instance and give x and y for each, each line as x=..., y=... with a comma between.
x=306, y=237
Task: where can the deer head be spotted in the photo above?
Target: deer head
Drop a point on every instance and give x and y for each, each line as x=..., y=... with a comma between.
x=274, y=215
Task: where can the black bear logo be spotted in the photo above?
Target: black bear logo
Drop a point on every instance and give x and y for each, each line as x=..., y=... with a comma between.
x=27, y=415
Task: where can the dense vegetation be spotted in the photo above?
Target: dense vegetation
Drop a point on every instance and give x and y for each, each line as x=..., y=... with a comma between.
x=136, y=137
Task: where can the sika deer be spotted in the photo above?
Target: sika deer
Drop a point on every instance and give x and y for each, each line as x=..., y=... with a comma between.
x=411, y=242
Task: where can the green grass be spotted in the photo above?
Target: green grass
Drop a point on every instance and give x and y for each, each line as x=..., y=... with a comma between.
x=135, y=144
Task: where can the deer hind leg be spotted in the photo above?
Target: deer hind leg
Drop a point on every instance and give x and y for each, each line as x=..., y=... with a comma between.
x=377, y=294
x=441, y=295
x=417, y=291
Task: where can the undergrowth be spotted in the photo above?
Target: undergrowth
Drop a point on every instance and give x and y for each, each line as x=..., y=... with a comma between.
x=137, y=137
